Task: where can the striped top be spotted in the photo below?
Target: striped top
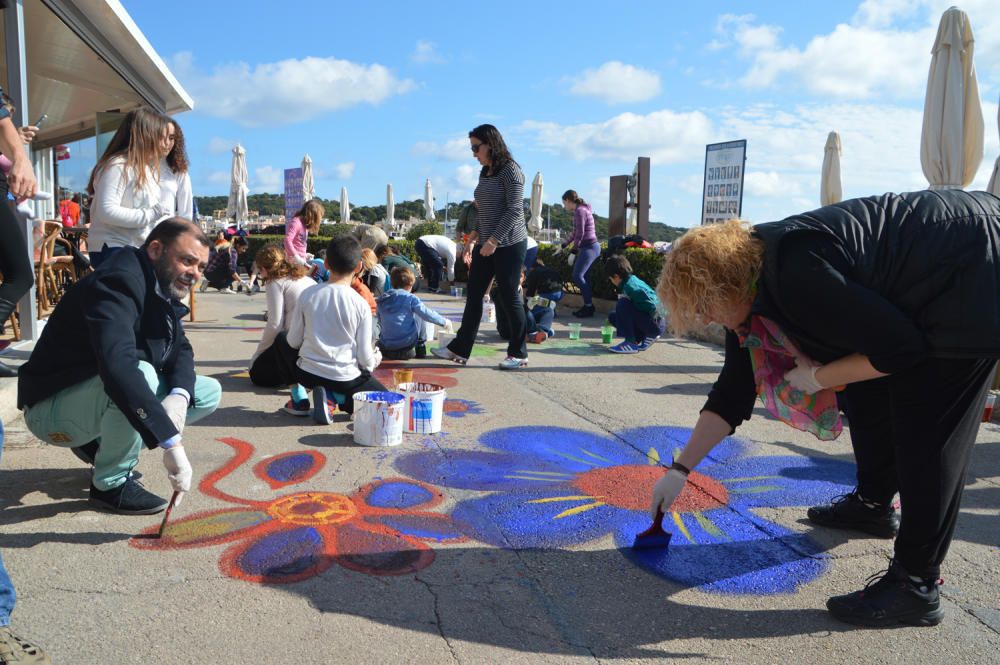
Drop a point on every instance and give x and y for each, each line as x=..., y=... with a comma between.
x=501, y=206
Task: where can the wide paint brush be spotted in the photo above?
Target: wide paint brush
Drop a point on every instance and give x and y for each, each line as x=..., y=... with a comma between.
x=166, y=515
x=654, y=537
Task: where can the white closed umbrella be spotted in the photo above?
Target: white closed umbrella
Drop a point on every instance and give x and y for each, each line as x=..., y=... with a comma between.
x=345, y=207
x=951, y=143
x=390, y=207
x=308, y=185
x=537, y=187
x=429, y=200
x=830, y=189
x=237, y=207
x=994, y=185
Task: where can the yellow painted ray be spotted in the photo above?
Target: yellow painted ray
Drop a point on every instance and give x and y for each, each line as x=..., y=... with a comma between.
x=653, y=456
x=680, y=526
x=564, y=498
x=753, y=490
x=575, y=459
x=241, y=375
x=677, y=453
x=594, y=455
x=741, y=480
x=709, y=526
x=545, y=473
x=543, y=480
x=578, y=509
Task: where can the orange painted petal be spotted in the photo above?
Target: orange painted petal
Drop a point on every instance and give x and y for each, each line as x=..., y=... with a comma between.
x=377, y=550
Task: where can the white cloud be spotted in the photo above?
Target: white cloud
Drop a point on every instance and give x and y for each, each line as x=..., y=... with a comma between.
x=218, y=145
x=452, y=150
x=467, y=177
x=665, y=136
x=345, y=170
x=882, y=13
x=615, y=82
x=267, y=179
x=426, y=53
x=287, y=91
x=769, y=184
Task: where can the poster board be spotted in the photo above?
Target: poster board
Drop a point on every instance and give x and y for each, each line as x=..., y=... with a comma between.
x=294, y=196
x=723, y=189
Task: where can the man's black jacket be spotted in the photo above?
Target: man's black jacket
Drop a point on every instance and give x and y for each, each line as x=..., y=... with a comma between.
x=104, y=325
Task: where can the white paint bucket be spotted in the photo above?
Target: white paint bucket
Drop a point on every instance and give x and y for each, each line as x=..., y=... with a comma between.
x=428, y=331
x=489, y=313
x=378, y=418
x=444, y=339
x=424, y=406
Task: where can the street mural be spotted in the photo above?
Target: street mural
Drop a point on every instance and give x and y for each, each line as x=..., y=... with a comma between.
x=552, y=487
x=380, y=529
x=459, y=408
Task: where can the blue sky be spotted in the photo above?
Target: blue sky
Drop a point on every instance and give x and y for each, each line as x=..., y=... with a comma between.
x=382, y=92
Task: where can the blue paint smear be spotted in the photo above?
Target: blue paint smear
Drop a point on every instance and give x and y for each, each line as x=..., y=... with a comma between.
x=398, y=495
x=420, y=526
x=282, y=554
x=290, y=468
x=731, y=550
x=378, y=396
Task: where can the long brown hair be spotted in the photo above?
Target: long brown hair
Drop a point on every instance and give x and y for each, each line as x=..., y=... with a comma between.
x=177, y=158
x=138, y=141
x=311, y=215
x=272, y=259
x=499, y=153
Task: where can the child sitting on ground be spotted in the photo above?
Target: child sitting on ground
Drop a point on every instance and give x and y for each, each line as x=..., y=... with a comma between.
x=223, y=270
x=543, y=288
x=332, y=328
x=402, y=336
x=637, y=314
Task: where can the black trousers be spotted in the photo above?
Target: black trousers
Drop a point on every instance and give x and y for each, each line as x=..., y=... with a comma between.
x=431, y=263
x=275, y=367
x=505, y=265
x=913, y=433
x=346, y=388
x=18, y=275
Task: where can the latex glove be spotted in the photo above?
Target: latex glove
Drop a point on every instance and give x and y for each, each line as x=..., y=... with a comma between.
x=803, y=377
x=178, y=468
x=449, y=327
x=378, y=356
x=176, y=407
x=666, y=490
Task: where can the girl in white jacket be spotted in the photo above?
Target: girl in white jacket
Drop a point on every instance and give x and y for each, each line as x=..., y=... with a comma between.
x=125, y=187
x=175, y=184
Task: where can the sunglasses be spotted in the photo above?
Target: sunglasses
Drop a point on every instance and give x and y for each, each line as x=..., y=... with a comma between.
x=476, y=147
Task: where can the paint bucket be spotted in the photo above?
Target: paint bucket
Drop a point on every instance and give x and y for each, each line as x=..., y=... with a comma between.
x=991, y=398
x=424, y=406
x=489, y=313
x=444, y=339
x=428, y=331
x=400, y=376
x=378, y=418
x=574, y=330
x=607, y=334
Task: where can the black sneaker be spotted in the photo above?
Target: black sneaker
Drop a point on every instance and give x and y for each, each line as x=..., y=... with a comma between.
x=131, y=498
x=849, y=511
x=890, y=598
x=584, y=312
x=420, y=351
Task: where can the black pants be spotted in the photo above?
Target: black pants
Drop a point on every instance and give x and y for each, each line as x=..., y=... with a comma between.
x=18, y=275
x=504, y=264
x=219, y=279
x=913, y=432
x=346, y=388
x=275, y=367
x=431, y=263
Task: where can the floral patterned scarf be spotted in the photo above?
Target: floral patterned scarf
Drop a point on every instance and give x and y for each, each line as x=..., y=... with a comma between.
x=772, y=354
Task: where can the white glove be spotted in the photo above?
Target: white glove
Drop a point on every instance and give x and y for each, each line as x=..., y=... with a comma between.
x=178, y=468
x=176, y=407
x=803, y=377
x=665, y=491
x=449, y=327
x=378, y=356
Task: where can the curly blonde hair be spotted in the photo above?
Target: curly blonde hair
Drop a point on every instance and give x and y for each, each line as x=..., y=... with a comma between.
x=368, y=259
x=707, y=268
x=272, y=259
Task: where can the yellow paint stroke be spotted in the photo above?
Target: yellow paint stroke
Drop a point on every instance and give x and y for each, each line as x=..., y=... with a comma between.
x=681, y=527
x=241, y=375
x=653, y=456
x=579, y=509
x=741, y=480
x=677, y=453
x=754, y=490
x=546, y=473
x=544, y=480
x=563, y=498
x=709, y=526
x=575, y=459
x=594, y=455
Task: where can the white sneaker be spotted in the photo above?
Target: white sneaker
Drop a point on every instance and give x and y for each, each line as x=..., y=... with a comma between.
x=203, y=286
x=226, y=290
x=510, y=362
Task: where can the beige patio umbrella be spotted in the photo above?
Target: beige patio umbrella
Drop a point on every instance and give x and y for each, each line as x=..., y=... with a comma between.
x=236, y=206
x=308, y=186
x=390, y=207
x=345, y=207
x=537, y=187
x=951, y=144
x=830, y=189
x=994, y=185
x=429, y=200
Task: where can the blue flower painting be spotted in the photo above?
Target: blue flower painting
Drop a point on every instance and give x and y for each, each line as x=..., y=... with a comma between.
x=551, y=487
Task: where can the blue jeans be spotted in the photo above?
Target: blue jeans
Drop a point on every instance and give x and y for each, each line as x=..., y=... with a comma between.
x=632, y=323
x=432, y=264
x=529, y=257
x=7, y=595
x=585, y=258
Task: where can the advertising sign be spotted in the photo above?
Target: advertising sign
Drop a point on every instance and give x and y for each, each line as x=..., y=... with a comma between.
x=294, y=196
x=724, y=168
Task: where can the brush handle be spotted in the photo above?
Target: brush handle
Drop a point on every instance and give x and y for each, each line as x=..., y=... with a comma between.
x=166, y=515
x=658, y=521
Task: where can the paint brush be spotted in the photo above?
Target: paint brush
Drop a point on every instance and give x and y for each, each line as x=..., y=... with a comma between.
x=654, y=537
x=166, y=515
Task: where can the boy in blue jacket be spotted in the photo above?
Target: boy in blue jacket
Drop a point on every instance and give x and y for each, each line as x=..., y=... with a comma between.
x=402, y=336
x=637, y=314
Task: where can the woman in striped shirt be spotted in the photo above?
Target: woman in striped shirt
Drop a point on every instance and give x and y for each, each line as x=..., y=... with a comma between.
x=495, y=250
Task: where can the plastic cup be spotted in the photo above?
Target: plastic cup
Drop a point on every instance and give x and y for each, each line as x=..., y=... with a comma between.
x=400, y=376
x=459, y=292
x=574, y=330
x=607, y=334
x=988, y=409
x=454, y=290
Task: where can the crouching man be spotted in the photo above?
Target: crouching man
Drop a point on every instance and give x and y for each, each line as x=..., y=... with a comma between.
x=113, y=369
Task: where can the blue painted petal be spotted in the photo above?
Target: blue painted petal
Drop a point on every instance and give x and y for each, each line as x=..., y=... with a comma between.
x=398, y=494
x=426, y=526
x=290, y=468
x=513, y=521
x=784, y=481
x=476, y=470
x=568, y=449
x=748, y=556
x=668, y=439
x=281, y=554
